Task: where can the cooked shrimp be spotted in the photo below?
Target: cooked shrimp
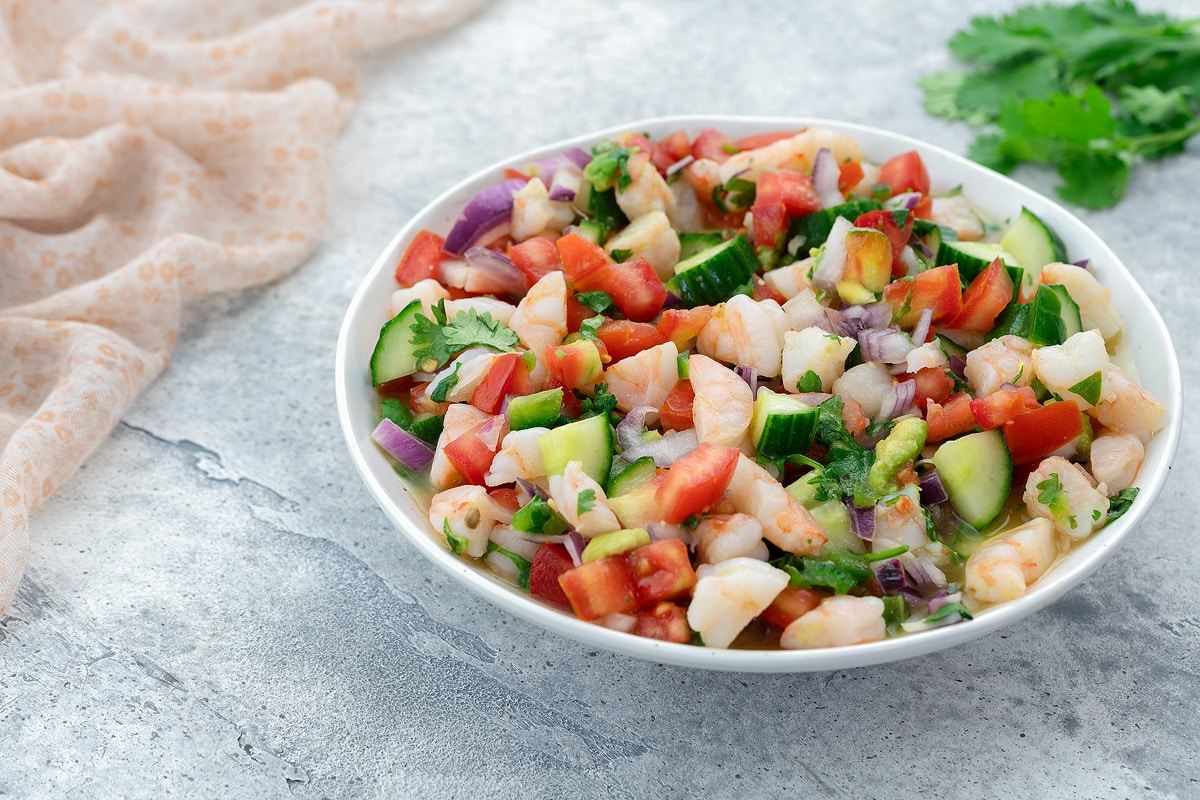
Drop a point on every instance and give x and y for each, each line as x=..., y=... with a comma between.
x=651, y=237
x=1061, y=366
x=1003, y=567
x=730, y=594
x=724, y=404
x=645, y=378
x=929, y=354
x=499, y=309
x=1000, y=361
x=541, y=317
x=1126, y=406
x=796, y=153
x=955, y=212
x=812, y=349
x=786, y=524
x=470, y=514
x=460, y=418
x=534, y=212
x=791, y=280
x=804, y=310
x=741, y=331
x=648, y=191
x=582, y=502
x=519, y=456
x=428, y=291
x=1115, y=459
x=900, y=523
x=1092, y=297
x=837, y=621
x=866, y=384
x=703, y=175
x=722, y=537
x=685, y=212
x=468, y=370
x=1063, y=493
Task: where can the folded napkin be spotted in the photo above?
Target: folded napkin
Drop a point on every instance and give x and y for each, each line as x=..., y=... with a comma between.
x=151, y=150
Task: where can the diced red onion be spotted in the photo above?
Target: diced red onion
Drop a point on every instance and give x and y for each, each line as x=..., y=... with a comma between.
x=851, y=326
x=885, y=345
x=662, y=531
x=918, y=243
x=665, y=451
x=920, y=331
x=566, y=184
x=830, y=321
x=890, y=575
x=832, y=262
x=680, y=164
x=493, y=273
x=907, y=200
x=862, y=521
x=1085, y=263
x=493, y=431
x=899, y=401
x=629, y=430
x=527, y=490
x=942, y=598
x=825, y=175
x=749, y=375
x=575, y=544
x=920, y=574
x=958, y=365
x=578, y=156
x=484, y=218
x=402, y=445
x=873, y=315
x=912, y=596
x=933, y=491
x=673, y=301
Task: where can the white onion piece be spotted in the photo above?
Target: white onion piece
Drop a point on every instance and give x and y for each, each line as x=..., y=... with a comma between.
x=899, y=401
x=665, y=451
x=885, y=345
x=680, y=164
x=831, y=263
x=920, y=331
x=906, y=200
x=825, y=175
x=629, y=430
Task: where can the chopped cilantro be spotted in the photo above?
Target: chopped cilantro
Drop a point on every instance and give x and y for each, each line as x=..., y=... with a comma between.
x=1054, y=498
x=839, y=570
x=621, y=255
x=597, y=301
x=601, y=402
x=587, y=500
x=457, y=543
x=588, y=328
x=438, y=395
x=537, y=516
x=439, y=339
x=1120, y=503
x=393, y=408
x=945, y=612
x=809, y=382
x=1088, y=388
x=730, y=148
x=522, y=564
x=1095, y=515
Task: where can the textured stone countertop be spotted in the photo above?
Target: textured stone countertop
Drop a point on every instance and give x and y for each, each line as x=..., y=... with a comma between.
x=215, y=607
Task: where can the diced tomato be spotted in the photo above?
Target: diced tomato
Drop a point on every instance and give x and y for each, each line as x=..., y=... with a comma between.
x=696, y=481
x=577, y=312
x=682, y=325
x=420, y=259
x=1038, y=433
x=791, y=604
x=850, y=174
x=510, y=173
x=536, y=257
x=770, y=225
x=666, y=622
x=671, y=148
x=984, y=299
x=794, y=189
x=636, y=289
x=571, y=404
x=711, y=143
x=932, y=384
x=470, y=455
x=939, y=288
x=853, y=416
x=582, y=260
x=661, y=571
x=1002, y=405
x=763, y=291
x=625, y=338
x=489, y=395
x=897, y=235
x=905, y=173
x=575, y=365
x=600, y=587
x=924, y=208
x=945, y=421
x=421, y=403
x=676, y=411
x=506, y=496
x=757, y=140
x=549, y=562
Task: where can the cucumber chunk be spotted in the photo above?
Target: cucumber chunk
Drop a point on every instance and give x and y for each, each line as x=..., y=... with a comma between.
x=715, y=274
x=394, y=352
x=1033, y=243
x=692, y=243
x=782, y=425
x=636, y=475
x=972, y=257
x=1054, y=317
x=977, y=472
x=538, y=410
x=815, y=227
x=589, y=441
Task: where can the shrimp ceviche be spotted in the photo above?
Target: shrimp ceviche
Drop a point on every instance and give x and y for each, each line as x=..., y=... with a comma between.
x=760, y=393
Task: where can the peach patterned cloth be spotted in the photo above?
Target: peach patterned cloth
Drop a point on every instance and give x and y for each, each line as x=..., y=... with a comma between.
x=151, y=150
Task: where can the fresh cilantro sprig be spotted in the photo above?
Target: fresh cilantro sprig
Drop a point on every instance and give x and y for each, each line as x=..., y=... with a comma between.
x=601, y=402
x=1120, y=503
x=1053, y=496
x=439, y=339
x=1089, y=88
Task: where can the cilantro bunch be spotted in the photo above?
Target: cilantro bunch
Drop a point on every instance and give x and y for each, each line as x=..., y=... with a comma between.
x=1089, y=88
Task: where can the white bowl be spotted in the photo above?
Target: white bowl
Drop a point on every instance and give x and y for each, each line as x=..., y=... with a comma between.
x=1146, y=339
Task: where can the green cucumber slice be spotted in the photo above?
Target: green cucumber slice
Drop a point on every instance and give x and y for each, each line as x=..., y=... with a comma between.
x=692, y=243
x=782, y=425
x=715, y=274
x=1033, y=243
x=815, y=227
x=428, y=429
x=972, y=257
x=977, y=472
x=1054, y=317
x=394, y=352
x=636, y=475
x=589, y=441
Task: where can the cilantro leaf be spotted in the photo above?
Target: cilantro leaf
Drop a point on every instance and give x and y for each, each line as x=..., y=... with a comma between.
x=586, y=501
x=839, y=570
x=440, y=339
x=537, y=516
x=597, y=301
x=1088, y=388
x=948, y=610
x=522, y=564
x=438, y=395
x=588, y=328
x=457, y=543
x=1054, y=498
x=1120, y=503
x=809, y=382
x=601, y=402
x=621, y=255
x=393, y=408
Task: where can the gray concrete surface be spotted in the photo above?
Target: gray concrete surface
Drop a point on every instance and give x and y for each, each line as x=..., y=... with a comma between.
x=215, y=607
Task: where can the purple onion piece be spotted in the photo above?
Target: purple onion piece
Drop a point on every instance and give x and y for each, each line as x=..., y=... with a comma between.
x=749, y=375
x=825, y=175
x=912, y=596
x=862, y=521
x=920, y=331
x=933, y=491
x=561, y=194
x=526, y=491
x=485, y=217
x=958, y=365
x=673, y=300
x=680, y=165
x=662, y=531
x=943, y=598
x=1085, y=263
x=402, y=445
x=899, y=401
x=629, y=430
x=578, y=156
x=885, y=345
x=890, y=575
x=493, y=267
x=916, y=242
x=575, y=544
x=908, y=200
x=919, y=574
